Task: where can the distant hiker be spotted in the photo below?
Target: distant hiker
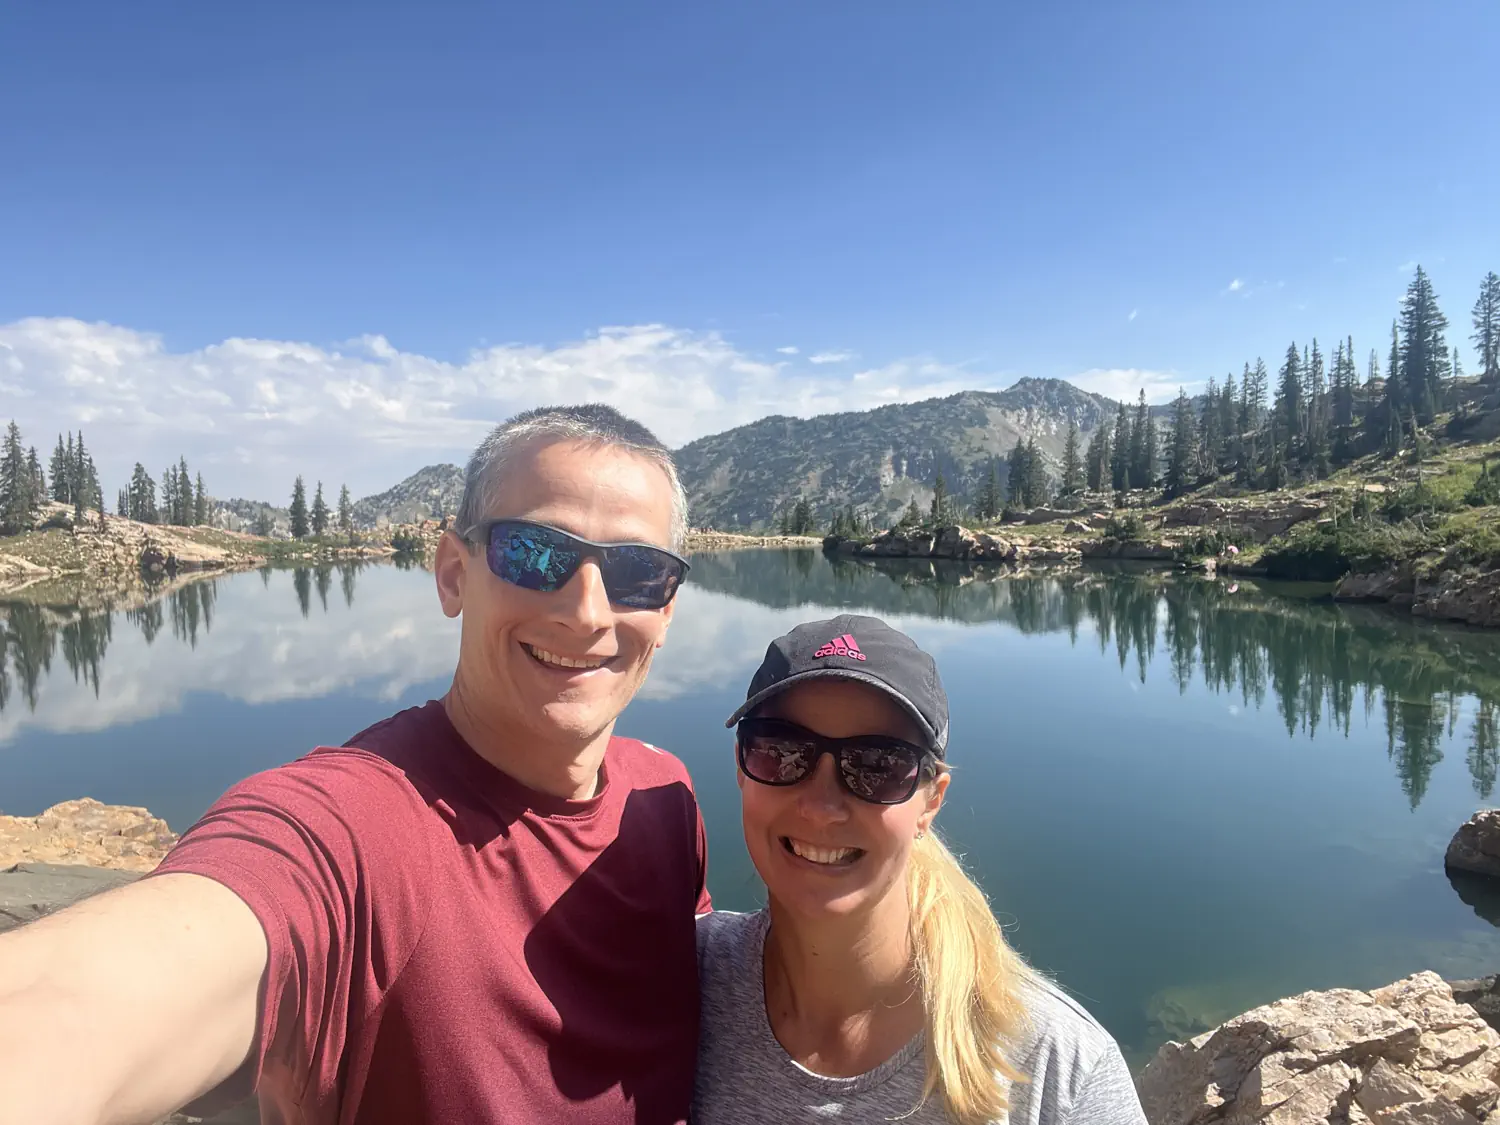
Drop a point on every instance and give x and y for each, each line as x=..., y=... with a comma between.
x=477, y=911
x=876, y=984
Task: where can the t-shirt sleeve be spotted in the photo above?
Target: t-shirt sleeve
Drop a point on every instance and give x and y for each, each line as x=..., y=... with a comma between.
x=1107, y=1095
x=705, y=903
x=309, y=848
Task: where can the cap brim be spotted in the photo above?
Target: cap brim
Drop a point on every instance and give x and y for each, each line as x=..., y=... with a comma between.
x=933, y=742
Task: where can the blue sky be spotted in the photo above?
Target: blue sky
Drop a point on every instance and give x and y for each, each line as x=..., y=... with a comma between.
x=275, y=235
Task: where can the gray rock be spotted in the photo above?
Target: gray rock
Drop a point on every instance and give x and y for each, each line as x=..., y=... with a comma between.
x=1476, y=845
x=29, y=891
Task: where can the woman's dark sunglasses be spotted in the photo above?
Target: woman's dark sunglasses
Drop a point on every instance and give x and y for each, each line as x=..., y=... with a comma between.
x=880, y=770
x=537, y=557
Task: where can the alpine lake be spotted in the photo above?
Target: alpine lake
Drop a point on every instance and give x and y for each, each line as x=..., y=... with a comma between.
x=1185, y=796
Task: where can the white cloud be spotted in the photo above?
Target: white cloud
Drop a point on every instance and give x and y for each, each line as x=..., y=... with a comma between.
x=1133, y=314
x=1125, y=383
x=252, y=414
x=831, y=357
x=1235, y=286
x=788, y=350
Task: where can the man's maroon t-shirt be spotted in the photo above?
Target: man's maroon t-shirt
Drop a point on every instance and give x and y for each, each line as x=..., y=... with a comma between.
x=448, y=946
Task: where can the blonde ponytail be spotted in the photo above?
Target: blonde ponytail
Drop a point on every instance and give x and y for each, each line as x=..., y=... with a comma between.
x=971, y=986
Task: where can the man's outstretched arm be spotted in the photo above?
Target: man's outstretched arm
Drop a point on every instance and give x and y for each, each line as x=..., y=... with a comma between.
x=126, y=1006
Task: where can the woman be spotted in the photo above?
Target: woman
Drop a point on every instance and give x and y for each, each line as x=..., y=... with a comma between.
x=876, y=985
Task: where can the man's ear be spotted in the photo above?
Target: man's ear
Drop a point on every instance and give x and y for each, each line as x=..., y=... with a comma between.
x=450, y=568
x=666, y=619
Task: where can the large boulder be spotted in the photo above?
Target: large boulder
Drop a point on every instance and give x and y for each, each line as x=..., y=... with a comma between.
x=1050, y=515
x=1476, y=845
x=118, y=837
x=1461, y=595
x=1408, y=1053
x=953, y=543
x=1378, y=586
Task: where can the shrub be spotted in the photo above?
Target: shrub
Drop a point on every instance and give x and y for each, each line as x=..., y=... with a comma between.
x=1323, y=553
x=1421, y=498
x=1485, y=491
x=405, y=542
x=1124, y=526
x=57, y=519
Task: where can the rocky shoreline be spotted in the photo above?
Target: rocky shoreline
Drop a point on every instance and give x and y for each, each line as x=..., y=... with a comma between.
x=1208, y=535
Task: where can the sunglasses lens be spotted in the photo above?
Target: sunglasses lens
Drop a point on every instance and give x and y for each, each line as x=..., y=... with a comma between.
x=885, y=775
x=640, y=577
x=775, y=758
x=532, y=558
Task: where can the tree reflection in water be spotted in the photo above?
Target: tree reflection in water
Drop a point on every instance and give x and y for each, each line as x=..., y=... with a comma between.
x=1318, y=661
x=31, y=634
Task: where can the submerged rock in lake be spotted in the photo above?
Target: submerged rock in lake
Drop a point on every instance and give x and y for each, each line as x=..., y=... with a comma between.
x=84, y=831
x=1407, y=1053
x=1476, y=845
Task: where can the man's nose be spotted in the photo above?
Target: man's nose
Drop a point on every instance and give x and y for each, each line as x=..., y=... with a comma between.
x=583, y=603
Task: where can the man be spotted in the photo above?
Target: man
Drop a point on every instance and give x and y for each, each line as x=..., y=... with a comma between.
x=478, y=910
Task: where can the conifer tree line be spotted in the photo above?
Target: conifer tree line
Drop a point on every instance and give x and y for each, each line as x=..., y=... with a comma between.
x=317, y=519
x=70, y=478
x=183, y=501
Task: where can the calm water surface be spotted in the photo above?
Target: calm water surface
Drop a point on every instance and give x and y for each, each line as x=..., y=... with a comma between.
x=1186, y=797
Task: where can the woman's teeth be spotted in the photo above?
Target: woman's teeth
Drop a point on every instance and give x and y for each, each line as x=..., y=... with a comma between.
x=815, y=854
x=557, y=661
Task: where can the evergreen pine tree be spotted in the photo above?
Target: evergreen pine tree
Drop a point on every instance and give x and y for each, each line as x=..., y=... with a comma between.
x=184, y=492
x=1036, y=475
x=78, y=473
x=1289, y=409
x=59, y=468
x=1097, y=458
x=912, y=517
x=171, y=508
x=1142, y=446
x=346, y=513
x=1119, y=466
x=320, y=512
x=1016, y=472
x=1259, y=380
x=200, y=503
x=1316, y=405
x=938, y=514
x=1072, y=468
x=142, y=495
x=18, y=500
x=1229, y=408
x=1372, y=369
x=298, y=511
x=1182, y=453
x=1424, y=353
x=38, y=478
x=262, y=525
x=1210, y=437
x=1487, y=328
x=988, y=507
x=69, y=472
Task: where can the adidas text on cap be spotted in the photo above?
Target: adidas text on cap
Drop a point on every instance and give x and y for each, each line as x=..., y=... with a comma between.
x=864, y=649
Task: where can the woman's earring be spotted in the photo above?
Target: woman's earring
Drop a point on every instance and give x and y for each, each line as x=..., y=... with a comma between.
x=920, y=835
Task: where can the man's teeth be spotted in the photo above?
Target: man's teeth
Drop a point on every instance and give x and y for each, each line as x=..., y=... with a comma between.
x=821, y=855
x=563, y=661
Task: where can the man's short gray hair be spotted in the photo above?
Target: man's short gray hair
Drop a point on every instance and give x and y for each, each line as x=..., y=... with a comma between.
x=591, y=423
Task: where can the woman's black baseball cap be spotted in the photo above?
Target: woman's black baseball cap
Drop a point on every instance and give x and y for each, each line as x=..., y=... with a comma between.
x=863, y=649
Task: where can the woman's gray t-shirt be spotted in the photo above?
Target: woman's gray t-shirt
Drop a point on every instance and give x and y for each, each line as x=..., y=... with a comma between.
x=1075, y=1071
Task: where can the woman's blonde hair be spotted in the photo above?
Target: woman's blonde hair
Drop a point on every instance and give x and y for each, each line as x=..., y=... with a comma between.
x=971, y=984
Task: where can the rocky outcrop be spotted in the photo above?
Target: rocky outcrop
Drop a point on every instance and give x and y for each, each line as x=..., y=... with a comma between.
x=1164, y=550
x=959, y=543
x=1254, y=522
x=116, y=837
x=1463, y=594
x=1476, y=845
x=1379, y=586
x=1401, y=1055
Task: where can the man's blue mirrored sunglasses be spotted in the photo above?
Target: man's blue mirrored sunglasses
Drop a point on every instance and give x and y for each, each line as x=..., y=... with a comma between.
x=537, y=557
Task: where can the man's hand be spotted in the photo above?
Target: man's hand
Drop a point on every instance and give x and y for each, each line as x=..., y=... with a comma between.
x=126, y=1006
